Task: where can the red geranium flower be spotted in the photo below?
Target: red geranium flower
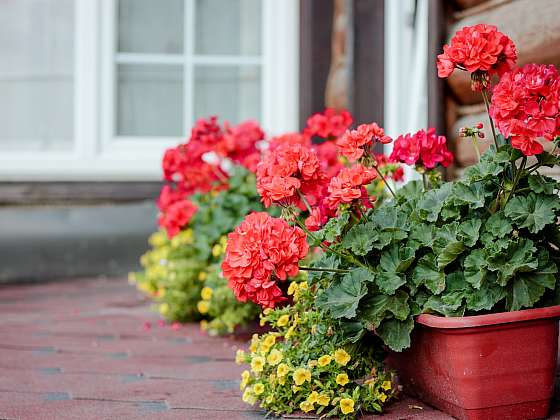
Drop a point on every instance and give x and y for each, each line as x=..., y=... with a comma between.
x=175, y=210
x=349, y=185
x=424, y=148
x=261, y=251
x=396, y=172
x=240, y=143
x=525, y=106
x=328, y=156
x=353, y=143
x=290, y=139
x=328, y=124
x=477, y=48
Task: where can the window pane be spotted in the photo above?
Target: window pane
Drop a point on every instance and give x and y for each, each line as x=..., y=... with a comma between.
x=36, y=74
x=231, y=92
x=150, y=26
x=228, y=27
x=149, y=100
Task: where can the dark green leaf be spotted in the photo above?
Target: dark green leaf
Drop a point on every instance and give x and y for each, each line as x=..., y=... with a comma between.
x=542, y=184
x=427, y=273
x=487, y=296
x=395, y=333
x=360, y=238
x=430, y=206
x=468, y=231
x=474, y=267
x=533, y=212
x=498, y=225
x=517, y=258
x=450, y=253
x=389, y=282
x=334, y=227
x=377, y=307
x=342, y=297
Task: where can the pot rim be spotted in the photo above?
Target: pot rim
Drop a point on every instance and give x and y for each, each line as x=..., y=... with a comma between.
x=436, y=321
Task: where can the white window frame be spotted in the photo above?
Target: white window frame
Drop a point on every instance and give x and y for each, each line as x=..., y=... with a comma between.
x=97, y=154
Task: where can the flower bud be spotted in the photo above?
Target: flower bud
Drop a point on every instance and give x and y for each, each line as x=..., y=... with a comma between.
x=481, y=135
x=479, y=126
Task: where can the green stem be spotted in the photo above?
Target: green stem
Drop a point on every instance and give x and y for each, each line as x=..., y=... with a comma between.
x=385, y=181
x=487, y=104
x=473, y=139
x=305, y=201
x=516, y=180
x=325, y=270
x=425, y=181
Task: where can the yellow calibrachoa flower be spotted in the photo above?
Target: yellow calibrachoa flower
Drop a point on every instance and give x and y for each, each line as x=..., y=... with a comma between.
x=347, y=405
x=313, y=397
x=217, y=250
x=267, y=311
x=206, y=293
x=324, y=360
x=282, y=380
x=342, y=379
x=202, y=276
x=283, y=321
x=386, y=385
x=341, y=357
x=301, y=375
x=203, y=306
x=295, y=389
x=312, y=363
x=164, y=309
x=240, y=357
x=269, y=340
x=249, y=397
x=257, y=364
x=245, y=376
x=293, y=288
x=282, y=370
x=258, y=388
x=269, y=399
x=382, y=397
x=223, y=241
x=302, y=285
x=306, y=406
x=323, y=400
x=289, y=333
x=274, y=357
x=203, y=325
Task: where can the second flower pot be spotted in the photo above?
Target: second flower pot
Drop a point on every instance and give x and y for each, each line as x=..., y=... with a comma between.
x=496, y=366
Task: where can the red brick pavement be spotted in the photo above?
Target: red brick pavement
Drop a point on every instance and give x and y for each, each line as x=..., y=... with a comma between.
x=83, y=350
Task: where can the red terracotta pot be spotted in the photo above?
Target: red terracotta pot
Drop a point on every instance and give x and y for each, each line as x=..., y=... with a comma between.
x=497, y=366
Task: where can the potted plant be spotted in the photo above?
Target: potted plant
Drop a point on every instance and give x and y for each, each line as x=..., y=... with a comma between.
x=471, y=265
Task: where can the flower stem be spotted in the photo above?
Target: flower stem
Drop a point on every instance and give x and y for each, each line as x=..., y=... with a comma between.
x=384, y=181
x=487, y=104
x=473, y=139
x=307, y=206
x=325, y=270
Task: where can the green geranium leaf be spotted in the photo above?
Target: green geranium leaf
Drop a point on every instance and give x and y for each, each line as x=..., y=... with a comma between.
x=352, y=331
x=334, y=227
x=428, y=274
x=542, y=184
x=498, y=225
x=547, y=159
x=389, y=282
x=451, y=308
x=424, y=234
x=469, y=230
x=342, y=297
x=396, y=259
x=533, y=212
x=388, y=218
x=430, y=206
x=395, y=333
x=378, y=307
x=450, y=253
x=471, y=194
x=487, y=296
x=474, y=268
x=360, y=238
x=519, y=257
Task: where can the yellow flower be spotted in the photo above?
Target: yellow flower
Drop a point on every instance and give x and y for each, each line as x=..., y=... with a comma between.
x=269, y=399
x=293, y=288
x=295, y=389
x=257, y=364
x=313, y=397
x=203, y=306
x=157, y=239
x=202, y=276
x=217, y=250
x=347, y=405
x=240, y=357
x=249, y=397
x=245, y=376
x=290, y=332
x=386, y=385
x=324, y=360
x=223, y=240
x=258, y=388
x=264, y=349
x=306, y=406
x=274, y=357
x=301, y=375
x=342, y=379
x=283, y=321
x=382, y=397
x=206, y=293
x=269, y=340
x=341, y=357
x=282, y=370
x=272, y=378
x=267, y=311
x=323, y=400
x=204, y=325
x=164, y=309
x=303, y=285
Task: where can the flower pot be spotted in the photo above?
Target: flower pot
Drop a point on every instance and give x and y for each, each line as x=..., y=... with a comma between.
x=496, y=366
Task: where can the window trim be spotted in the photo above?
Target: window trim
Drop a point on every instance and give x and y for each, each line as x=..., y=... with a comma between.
x=95, y=154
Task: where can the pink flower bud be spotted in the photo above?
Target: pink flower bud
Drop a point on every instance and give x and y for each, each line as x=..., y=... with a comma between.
x=481, y=135
x=479, y=126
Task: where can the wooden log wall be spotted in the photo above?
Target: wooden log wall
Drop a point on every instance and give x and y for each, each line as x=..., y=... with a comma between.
x=534, y=27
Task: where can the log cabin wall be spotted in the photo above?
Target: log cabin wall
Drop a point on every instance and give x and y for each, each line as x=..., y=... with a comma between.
x=534, y=27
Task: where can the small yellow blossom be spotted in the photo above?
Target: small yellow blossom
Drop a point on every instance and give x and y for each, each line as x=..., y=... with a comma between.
x=382, y=397
x=323, y=400
x=202, y=276
x=258, y=388
x=282, y=370
x=386, y=385
x=283, y=321
x=206, y=293
x=240, y=357
x=324, y=360
x=313, y=397
x=290, y=332
x=257, y=364
x=301, y=375
x=264, y=349
x=272, y=378
x=267, y=311
x=203, y=325
x=164, y=309
x=249, y=397
x=269, y=340
x=282, y=380
x=341, y=357
x=342, y=379
x=312, y=363
x=293, y=288
x=347, y=405
x=295, y=389
x=245, y=376
x=274, y=357
x=217, y=250
x=223, y=240
x=203, y=306
x=269, y=399
x=306, y=406
x=303, y=285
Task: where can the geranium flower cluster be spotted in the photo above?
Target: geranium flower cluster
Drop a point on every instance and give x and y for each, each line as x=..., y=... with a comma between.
x=288, y=171
x=261, y=251
x=525, y=106
x=478, y=48
x=328, y=124
x=175, y=209
x=349, y=185
x=423, y=149
x=354, y=143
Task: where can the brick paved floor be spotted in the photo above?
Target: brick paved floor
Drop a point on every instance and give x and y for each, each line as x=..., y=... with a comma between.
x=92, y=349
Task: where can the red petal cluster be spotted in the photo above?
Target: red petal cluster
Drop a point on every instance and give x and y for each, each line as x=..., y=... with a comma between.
x=328, y=156
x=328, y=124
x=423, y=148
x=260, y=251
x=353, y=142
x=525, y=106
x=349, y=185
x=287, y=169
x=477, y=48
x=396, y=174
x=290, y=139
x=240, y=144
x=175, y=210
